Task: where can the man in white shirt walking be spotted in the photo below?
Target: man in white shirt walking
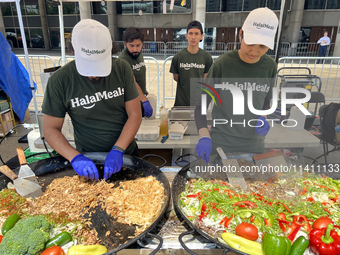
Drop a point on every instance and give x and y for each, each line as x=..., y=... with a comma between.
x=324, y=42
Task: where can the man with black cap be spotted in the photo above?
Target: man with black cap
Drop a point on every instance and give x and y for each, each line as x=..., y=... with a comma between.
x=100, y=95
x=242, y=78
x=191, y=62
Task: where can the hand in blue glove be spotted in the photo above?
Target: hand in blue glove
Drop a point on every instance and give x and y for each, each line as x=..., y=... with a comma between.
x=113, y=163
x=262, y=126
x=84, y=167
x=147, y=109
x=203, y=148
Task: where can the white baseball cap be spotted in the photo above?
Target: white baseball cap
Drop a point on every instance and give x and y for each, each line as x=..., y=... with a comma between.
x=92, y=45
x=260, y=27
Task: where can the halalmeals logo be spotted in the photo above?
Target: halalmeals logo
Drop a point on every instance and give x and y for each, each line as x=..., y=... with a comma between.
x=89, y=52
x=262, y=25
x=245, y=86
x=90, y=101
x=187, y=66
x=138, y=66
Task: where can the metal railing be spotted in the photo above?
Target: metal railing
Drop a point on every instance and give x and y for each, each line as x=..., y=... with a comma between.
x=155, y=48
x=166, y=89
x=67, y=59
x=37, y=63
x=309, y=49
x=172, y=48
x=150, y=48
x=151, y=76
x=219, y=48
x=327, y=70
x=284, y=51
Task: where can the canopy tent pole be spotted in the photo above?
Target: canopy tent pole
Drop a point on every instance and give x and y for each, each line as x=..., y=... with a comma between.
x=28, y=67
x=62, y=35
x=283, y=15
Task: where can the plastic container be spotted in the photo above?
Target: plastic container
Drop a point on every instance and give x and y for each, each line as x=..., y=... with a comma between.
x=163, y=121
x=148, y=130
x=299, y=117
x=32, y=136
x=176, y=131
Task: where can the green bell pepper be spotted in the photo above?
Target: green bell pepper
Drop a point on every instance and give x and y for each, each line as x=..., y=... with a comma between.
x=299, y=246
x=273, y=244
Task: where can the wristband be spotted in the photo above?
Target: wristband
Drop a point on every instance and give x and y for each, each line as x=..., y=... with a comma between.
x=118, y=148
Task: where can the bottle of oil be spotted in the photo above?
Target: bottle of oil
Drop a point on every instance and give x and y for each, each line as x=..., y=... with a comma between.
x=163, y=121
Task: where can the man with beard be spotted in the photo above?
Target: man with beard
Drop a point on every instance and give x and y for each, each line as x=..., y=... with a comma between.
x=99, y=94
x=133, y=42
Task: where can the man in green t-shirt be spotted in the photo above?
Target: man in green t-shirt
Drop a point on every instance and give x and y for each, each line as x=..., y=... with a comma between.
x=99, y=94
x=191, y=62
x=252, y=73
x=133, y=42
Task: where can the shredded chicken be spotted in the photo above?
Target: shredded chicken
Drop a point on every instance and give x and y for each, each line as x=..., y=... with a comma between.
x=136, y=202
x=132, y=202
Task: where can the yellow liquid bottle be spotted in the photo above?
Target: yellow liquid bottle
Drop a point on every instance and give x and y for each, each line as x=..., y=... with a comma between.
x=163, y=122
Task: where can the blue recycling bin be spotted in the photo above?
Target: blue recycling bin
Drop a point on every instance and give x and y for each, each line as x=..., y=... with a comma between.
x=153, y=47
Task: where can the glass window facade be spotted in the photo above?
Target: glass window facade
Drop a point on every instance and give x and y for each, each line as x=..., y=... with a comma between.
x=7, y=10
x=99, y=7
x=240, y=5
x=126, y=7
x=68, y=8
x=315, y=4
x=144, y=7
x=32, y=9
x=134, y=7
x=235, y=5
x=333, y=4
x=249, y=5
x=274, y=4
x=213, y=6
x=51, y=8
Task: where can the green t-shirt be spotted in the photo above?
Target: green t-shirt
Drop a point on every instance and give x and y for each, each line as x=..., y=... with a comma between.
x=97, y=110
x=187, y=66
x=138, y=68
x=238, y=135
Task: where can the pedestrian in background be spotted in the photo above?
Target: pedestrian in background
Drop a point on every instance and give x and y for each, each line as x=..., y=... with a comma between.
x=324, y=42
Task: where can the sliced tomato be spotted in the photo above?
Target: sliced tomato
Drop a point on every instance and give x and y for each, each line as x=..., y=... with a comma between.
x=247, y=230
x=322, y=222
x=54, y=250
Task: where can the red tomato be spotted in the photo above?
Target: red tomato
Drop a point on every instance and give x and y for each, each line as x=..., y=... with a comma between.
x=247, y=230
x=54, y=250
x=322, y=222
x=1, y=238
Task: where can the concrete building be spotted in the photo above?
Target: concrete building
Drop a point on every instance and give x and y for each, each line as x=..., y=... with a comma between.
x=305, y=22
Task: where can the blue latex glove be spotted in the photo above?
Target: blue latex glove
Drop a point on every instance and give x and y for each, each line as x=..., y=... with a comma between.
x=85, y=167
x=262, y=126
x=147, y=109
x=113, y=163
x=203, y=148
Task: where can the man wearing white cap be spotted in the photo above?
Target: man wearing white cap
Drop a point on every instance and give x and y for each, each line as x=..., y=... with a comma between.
x=100, y=95
x=248, y=68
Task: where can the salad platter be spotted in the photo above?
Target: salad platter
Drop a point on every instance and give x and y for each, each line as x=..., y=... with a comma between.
x=285, y=214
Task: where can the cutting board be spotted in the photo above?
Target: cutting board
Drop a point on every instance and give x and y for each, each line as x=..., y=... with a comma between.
x=273, y=158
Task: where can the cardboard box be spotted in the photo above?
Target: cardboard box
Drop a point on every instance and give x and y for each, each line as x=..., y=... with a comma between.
x=27, y=115
x=8, y=126
x=6, y=116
